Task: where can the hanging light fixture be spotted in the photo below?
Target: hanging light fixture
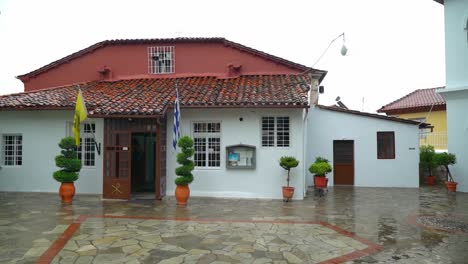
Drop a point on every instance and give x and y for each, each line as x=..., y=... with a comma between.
x=344, y=49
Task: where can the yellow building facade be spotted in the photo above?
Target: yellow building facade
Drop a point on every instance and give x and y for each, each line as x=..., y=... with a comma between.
x=437, y=119
x=425, y=105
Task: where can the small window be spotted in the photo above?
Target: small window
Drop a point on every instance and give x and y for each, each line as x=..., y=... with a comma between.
x=275, y=131
x=207, y=144
x=386, y=145
x=161, y=59
x=12, y=150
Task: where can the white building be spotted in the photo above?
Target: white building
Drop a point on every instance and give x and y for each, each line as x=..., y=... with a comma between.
x=243, y=108
x=456, y=87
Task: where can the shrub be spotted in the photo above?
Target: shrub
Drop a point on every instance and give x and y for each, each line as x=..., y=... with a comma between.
x=320, y=167
x=445, y=159
x=427, y=159
x=287, y=163
x=183, y=158
x=68, y=162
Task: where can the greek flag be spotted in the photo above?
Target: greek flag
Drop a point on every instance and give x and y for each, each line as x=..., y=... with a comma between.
x=176, y=130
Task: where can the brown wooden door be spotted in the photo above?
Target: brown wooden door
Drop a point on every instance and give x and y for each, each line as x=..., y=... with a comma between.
x=343, y=162
x=117, y=165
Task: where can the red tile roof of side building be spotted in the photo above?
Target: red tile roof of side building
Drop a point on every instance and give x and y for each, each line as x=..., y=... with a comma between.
x=152, y=97
x=223, y=41
x=365, y=114
x=421, y=100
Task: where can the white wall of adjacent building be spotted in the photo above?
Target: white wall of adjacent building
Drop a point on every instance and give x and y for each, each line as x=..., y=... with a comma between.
x=266, y=180
x=456, y=92
x=325, y=126
x=41, y=131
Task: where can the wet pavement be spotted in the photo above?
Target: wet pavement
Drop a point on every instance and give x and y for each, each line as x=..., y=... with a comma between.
x=347, y=225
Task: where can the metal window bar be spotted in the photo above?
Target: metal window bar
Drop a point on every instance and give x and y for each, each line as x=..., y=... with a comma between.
x=282, y=131
x=12, y=150
x=268, y=131
x=161, y=59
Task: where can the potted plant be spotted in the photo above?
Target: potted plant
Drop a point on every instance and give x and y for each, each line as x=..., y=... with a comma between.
x=445, y=159
x=184, y=172
x=320, y=168
x=287, y=163
x=70, y=166
x=428, y=162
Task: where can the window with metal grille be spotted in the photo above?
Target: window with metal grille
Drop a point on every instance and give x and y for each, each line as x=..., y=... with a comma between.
x=161, y=59
x=207, y=144
x=386, y=145
x=12, y=150
x=275, y=131
x=87, y=149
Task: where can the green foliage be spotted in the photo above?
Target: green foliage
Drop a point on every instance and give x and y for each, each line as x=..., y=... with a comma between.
x=321, y=159
x=427, y=158
x=287, y=163
x=183, y=158
x=445, y=159
x=320, y=167
x=67, y=161
x=65, y=176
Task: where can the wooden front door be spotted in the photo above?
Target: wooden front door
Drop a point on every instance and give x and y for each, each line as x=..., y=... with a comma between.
x=117, y=165
x=343, y=162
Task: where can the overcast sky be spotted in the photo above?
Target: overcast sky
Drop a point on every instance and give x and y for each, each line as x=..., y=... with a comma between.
x=395, y=46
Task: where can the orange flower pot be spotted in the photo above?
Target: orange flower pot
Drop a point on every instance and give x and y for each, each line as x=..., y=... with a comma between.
x=67, y=191
x=451, y=186
x=430, y=180
x=320, y=182
x=182, y=193
x=288, y=192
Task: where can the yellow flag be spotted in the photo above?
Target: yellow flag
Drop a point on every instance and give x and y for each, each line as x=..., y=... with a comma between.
x=81, y=113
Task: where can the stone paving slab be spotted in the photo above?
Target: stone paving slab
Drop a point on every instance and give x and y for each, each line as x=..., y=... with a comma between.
x=114, y=239
x=32, y=223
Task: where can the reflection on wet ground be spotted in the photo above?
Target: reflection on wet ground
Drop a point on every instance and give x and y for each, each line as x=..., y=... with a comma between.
x=31, y=222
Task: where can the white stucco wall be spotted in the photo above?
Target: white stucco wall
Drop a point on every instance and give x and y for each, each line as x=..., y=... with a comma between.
x=41, y=131
x=263, y=182
x=457, y=126
x=324, y=126
x=456, y=92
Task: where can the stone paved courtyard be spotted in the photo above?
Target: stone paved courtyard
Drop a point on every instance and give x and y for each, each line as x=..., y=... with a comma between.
x=348, y=225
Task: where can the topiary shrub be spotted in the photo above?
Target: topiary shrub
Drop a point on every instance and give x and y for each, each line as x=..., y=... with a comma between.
x=287, y=163
x=68, y=162
x=320, y=167
x=445, y=159
x=183, y=158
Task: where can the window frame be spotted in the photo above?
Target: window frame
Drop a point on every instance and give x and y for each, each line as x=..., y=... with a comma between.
x=3, y=150
x=83, y=136
x=152, y=68
x=275, y=132
x=207, y=135
x=385, y=134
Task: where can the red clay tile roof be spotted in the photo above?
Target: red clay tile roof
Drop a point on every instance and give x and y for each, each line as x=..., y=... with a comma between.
x=420, y=100
x=388, y=118
x=171, y=40
x=151, y=97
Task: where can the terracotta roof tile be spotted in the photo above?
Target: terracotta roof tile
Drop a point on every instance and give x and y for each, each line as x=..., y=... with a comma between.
x=415, y=101
x=153, y=96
